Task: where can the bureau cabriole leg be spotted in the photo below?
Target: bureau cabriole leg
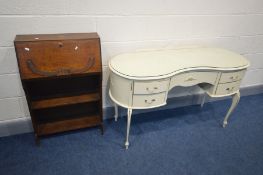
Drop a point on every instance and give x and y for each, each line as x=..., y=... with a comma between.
x=129, y=113
x=116, y=111
x=235, y=100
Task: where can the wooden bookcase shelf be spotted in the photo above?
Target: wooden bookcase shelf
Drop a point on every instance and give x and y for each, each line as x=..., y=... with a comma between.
x=68, y=124
x=62, y=101
x=62, y=78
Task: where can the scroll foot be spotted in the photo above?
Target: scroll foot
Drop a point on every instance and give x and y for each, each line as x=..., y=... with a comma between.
x=126, y=145
x=129, y=113
x=235, y=101
x=224, y=124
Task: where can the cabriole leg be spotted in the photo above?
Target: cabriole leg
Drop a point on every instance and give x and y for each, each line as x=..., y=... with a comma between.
x=203, y=100
x=235, y=100
x=129, y=113
x=116, y=111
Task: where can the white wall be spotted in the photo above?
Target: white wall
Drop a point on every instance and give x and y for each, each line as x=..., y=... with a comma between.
x=127, y=26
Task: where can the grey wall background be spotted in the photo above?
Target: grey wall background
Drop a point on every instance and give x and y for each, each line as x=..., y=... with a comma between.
x=128, y=26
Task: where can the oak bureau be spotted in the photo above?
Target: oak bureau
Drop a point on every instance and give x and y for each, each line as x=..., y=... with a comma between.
x=142, y=80
x=61, y=75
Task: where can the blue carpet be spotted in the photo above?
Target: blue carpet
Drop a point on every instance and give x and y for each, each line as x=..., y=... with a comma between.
x=182, y=141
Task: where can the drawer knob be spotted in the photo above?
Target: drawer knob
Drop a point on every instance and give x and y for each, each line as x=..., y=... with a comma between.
x=149, y=101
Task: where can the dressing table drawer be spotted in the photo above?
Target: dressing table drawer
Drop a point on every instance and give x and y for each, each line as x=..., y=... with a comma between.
x=231, y=76
x=228, y=88
x=150, y=87
x=149, y=100
x=193, y=78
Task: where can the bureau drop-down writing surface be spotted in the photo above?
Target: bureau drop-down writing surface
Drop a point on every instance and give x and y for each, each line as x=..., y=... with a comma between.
x=142, y=80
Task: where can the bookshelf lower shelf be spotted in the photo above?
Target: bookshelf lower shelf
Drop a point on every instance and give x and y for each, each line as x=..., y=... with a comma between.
x=61, y=101
x=68, y=124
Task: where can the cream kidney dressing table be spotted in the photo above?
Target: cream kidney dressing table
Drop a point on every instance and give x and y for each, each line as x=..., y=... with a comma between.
x=142, y=80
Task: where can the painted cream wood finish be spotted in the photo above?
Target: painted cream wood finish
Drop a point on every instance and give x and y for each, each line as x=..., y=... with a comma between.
x=151, y=87
x=227, y=88
x=165, y=63
x=142, y=80
x=231, y=76
x=149, y=101
x=193, y=78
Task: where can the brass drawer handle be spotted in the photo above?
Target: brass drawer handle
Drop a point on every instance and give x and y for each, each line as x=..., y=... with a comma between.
x=234, y=78
x=150, y=102
x=60, y=71
x=230, y=89
x=148, y=89
x=190, y=79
